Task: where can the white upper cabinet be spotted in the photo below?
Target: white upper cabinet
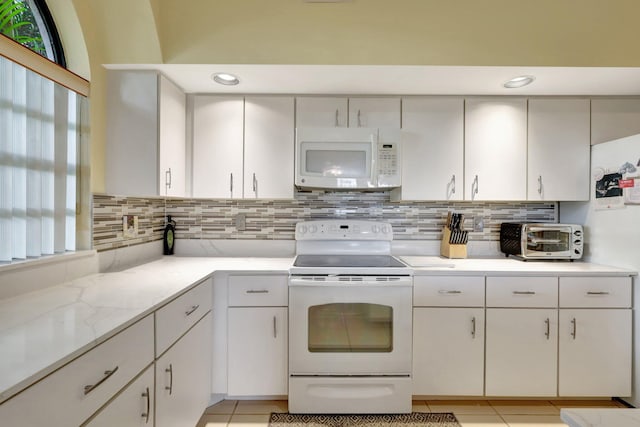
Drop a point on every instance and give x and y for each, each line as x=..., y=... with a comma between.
x=146, y=120
x=243, y=148
x=496, y=149
x=320, y=111
x=558, y=149
x=218, y=146
x=432, y=149
x=381, y=112
x=268, y=147
x=172, y=156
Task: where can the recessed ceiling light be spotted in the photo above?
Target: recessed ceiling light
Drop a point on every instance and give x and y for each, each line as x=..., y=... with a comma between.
x=225, y=79
x=519, y=81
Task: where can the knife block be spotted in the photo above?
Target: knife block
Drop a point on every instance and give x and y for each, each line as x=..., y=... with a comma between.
x=449, y=250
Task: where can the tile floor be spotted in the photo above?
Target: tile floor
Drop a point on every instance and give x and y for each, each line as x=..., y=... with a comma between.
x=470, y=413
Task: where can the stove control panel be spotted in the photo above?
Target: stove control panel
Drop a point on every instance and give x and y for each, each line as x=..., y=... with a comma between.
x=344, y=230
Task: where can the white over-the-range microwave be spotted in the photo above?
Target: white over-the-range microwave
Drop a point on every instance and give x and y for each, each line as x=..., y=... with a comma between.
x=348, y=158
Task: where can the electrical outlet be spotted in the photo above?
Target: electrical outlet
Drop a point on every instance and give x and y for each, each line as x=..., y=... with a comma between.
x=478, y=223
x=130, y=226
x=241, y=221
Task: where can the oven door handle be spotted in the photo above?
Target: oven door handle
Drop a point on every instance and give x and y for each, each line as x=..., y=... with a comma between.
x=405, y=281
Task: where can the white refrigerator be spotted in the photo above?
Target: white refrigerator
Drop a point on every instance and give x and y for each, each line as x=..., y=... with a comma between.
x=612, y=221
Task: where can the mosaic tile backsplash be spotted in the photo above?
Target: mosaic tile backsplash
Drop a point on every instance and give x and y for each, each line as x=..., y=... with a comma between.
x=276, y=219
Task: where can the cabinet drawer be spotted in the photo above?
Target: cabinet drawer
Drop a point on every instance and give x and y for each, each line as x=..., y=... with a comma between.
x=448, y=291
x=596, y=292
x=247, y=290
x=64, y=397
x=522, y=291
x=175, y=318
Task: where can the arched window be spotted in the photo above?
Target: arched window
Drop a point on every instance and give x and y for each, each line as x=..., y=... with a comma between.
x=29, y=22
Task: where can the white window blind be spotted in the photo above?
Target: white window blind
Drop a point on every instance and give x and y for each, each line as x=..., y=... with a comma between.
x=39, y=130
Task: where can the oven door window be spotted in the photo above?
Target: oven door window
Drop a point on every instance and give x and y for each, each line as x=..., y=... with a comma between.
x=548, y=240
x=350, y=328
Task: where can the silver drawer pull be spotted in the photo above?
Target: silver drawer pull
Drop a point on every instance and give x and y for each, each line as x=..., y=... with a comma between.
x=89, y=388
x=548, y=331
x=473, y=327
x=192, y=309
x=147, y=413
x=169, y=370
x=446, y=292
x=258, y=291
x=597, y=293
x=524, y=293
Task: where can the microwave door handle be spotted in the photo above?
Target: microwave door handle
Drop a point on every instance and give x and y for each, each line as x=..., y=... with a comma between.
x=536, y=229
x=374, y=161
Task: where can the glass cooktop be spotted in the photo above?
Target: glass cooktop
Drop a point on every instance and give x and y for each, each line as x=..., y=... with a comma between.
x=373, y=261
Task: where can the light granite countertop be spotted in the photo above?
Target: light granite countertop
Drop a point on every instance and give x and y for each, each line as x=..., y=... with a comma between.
x=600, y=417
x=41, y=331
x=435, y=265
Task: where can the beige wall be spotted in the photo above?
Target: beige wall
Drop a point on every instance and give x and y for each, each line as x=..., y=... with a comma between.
x=412, y=32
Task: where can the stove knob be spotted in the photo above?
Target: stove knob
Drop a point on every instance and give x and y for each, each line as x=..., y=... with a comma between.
x=375, y=229
x=303, y=229
x=384, y=229
x=313, y=229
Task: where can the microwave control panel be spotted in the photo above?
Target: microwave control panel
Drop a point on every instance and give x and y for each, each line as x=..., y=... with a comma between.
x=387, y=158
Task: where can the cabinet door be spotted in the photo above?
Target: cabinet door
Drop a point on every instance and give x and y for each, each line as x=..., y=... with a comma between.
x=183, y=378
x=268, y=148
x=218, y=146
x=495, y=149
x=132, y=408
x=595, y=352
x=521, y=353
x=374, y=112
x=258, y=363
x=172, y=123
x=132, y=133
x=558, y=149
x=319, y=111
x=448, y=351
x=432, y=149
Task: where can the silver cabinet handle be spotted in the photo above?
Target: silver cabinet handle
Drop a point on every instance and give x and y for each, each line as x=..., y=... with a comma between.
x=548, y=324
x=524, y=293
x=167, y=178
x=255, y=184
x=192, y=309
x=473, y=327
x=453, y=184
x=597, y=293
x=573, y=329
x=475, y=186
x=275, y=328
x=540, y=184
x=89, y=388
x=447, y=292
x=231, y=183
x=147, y=413
x=359, y=121
x=169, y=370
x=337, y=115
x=257, y=291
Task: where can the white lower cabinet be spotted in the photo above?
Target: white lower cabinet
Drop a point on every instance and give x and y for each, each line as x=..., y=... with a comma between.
x=132, y=408
x=258, y=362
x=448, y=351
x=183, y=376
x=521, y=352
x=595, y=352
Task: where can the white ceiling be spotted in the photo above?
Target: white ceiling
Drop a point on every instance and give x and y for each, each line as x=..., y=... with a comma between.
x=400, y=80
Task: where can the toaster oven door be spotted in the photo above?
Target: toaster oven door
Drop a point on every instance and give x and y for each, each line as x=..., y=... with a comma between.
x=553, y=242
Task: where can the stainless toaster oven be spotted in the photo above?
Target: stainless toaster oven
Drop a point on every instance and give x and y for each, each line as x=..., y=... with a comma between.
x=542, y=240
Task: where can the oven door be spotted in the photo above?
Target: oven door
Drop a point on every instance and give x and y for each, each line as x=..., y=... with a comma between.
x=547, y=241
x=350, y=327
